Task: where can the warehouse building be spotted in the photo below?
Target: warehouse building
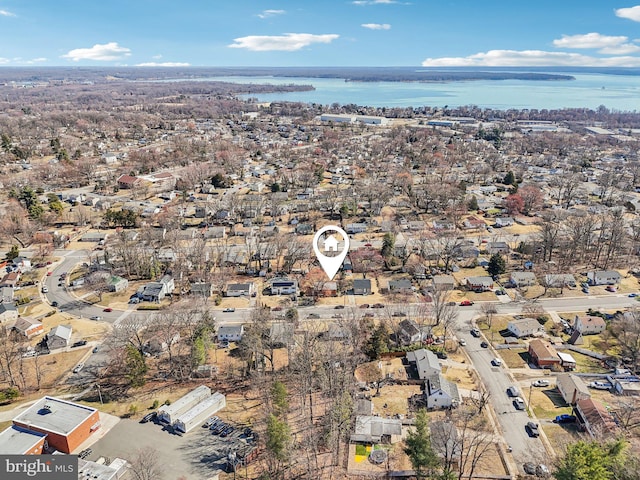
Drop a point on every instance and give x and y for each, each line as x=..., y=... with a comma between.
x=65, y=424
x=170, y=413
x=200, y=413
x=19, y=441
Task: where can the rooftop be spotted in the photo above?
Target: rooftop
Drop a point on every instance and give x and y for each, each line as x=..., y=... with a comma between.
x=16, y=441
x=61, y=417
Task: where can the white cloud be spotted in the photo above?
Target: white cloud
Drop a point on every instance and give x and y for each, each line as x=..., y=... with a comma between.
x=623, y=49
x=271, y=13
x=105, y=53
x=37, y=60
x=289, y=42
x=4, y=61
x=530, y=58
x=163, y=64
x=157, y=57
x=5, y=13
x=376, y=26
x=632, y=13
x=589, y=40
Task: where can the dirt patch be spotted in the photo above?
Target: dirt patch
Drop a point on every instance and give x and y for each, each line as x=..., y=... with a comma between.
x=462, y=377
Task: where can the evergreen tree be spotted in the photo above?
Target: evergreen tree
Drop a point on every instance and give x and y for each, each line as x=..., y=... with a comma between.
x=418, y=447
x=279, y=398
x=591, y=460
x=136, y=368
x=388, y=243
x=497, y=265
x=278, y=438
x=14, y=252
x=378, y=342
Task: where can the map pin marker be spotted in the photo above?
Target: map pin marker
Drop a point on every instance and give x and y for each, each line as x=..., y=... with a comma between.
x=330, y=263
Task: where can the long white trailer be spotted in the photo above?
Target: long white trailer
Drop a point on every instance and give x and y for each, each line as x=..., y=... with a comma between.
x=169, y=413
x=199, y=413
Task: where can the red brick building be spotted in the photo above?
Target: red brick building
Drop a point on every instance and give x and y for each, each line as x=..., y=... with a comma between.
x=65, y=424
x=543, y=354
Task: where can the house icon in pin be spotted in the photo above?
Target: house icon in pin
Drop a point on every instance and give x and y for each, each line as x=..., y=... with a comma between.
x=330, y=244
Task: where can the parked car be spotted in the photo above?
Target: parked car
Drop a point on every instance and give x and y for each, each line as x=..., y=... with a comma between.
x=462, y=342
x=95, y=350
x=513, y=391
x=532, y=429
x=339, y=307
x=484, y=345
x=209, y=422
x=148, y=417
x=96, y=318
x=519, y=403
x=442, y=355
x=600, y=385
x=565, y=418
x=229, y=310
x=79, y=367
x=377, y=305
x=79, y=343
x=475, y=332
x=466, y=303
x=313, y=315
x=45, y=289
x=108, y=309
x=529, y=468
x=610, y=288
x=496, y=362
x=540, y=383
x=398, y=314
x=632, y=295
x=54, y=304
x=542, y=470
x=364, y=305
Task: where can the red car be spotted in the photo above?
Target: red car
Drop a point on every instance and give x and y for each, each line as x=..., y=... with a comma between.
x=466, y=303
x=49, y=274
x=108, y=310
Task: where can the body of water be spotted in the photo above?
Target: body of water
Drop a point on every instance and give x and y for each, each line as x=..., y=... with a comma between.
x=616, y=92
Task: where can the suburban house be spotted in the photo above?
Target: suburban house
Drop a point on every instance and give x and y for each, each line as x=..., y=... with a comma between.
x=589, y=325
x=629, y=386
x=572, y=388
x=372, y=429
x=159, y=344
x=543, y=354
x=594, y=418
x=21, y=263
x=128, y=181
x=231, y=333
x=283, y=286
x=29, y=327
x=522, y=279
x=444, y=282
x=503, y=222
x=352, y=228
x=362, y=287
x=156, y=291
x=440, y=392
x=409, y=332
x=425, y=362
x=473, y=223
x=559, y=280
x=59, y=337
x=202, y=288
x=604, y=277
x=400, y=286
x=479, y=284
x=117, y=284
x=215, y=232
x=497, y=247
x=10, y=280
x=525, y=327
x=239, y=289
x=8, y=313
x=322, y=289
x=281, y=333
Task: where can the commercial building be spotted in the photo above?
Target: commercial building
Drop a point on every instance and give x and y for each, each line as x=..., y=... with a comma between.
x=65, y=424
x=199, y=413
x=170, y=413
x=19, y=441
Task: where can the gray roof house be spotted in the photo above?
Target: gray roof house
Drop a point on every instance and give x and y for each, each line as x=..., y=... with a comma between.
x=362, y=286
x=59, y=337
x=479, y=283
x=401, y=286
x=371, y=429
x=409, y=332
x=604, y=277
x=497, y=247
x=440, y=392
x=232, y=333
x=525, y=327
x=425, y=362
x=522, y=279
x=559, y=280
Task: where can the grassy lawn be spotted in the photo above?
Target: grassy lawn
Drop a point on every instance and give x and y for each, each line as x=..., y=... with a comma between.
x=586, y=364
x=514, y=357
x=547, y=403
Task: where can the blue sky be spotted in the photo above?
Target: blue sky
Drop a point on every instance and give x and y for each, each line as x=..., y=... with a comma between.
x=284, y=33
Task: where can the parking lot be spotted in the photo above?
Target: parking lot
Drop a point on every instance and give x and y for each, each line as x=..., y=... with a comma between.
x=195, y=455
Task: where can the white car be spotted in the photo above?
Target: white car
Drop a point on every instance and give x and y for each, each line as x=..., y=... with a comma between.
x=462, y=342
x=79, y=367
x=45, y=289
x=541, y=383
x=600, y=385
x=496, y=362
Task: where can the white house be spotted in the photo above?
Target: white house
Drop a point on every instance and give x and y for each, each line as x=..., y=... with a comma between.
x=231, y=333
x=239, y=289
x=589, y=325
x=503, y=222
x=572, y=388
x=425, y=362
x=59, y=337
x=440, y=392
x=522, y=279
x=525, y=327
x=604, y=277
x=284, y=286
